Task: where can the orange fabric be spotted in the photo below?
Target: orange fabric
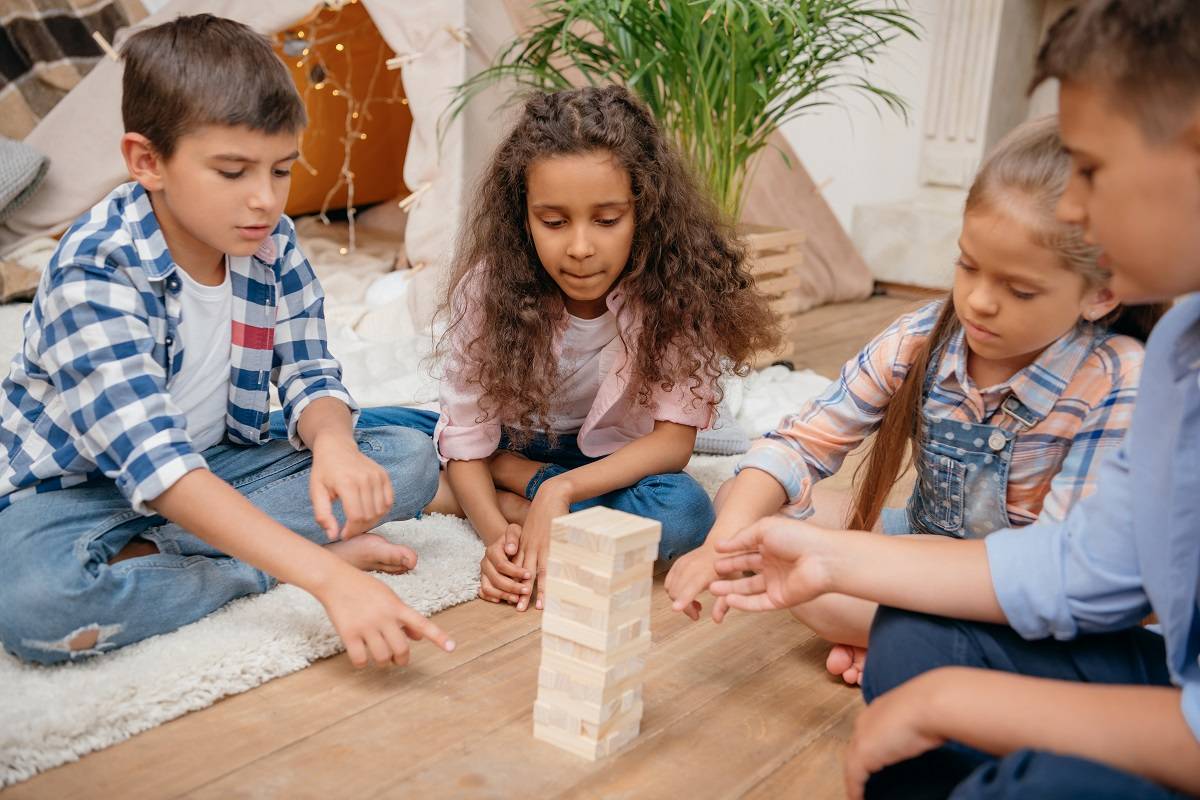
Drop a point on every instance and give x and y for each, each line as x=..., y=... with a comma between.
x=377, y=161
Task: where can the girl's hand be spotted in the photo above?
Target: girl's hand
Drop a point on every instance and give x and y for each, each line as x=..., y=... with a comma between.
x=372, y=621
x=892, y=729
x=341, y=472
x=500, y=578
x=783, y=554
x=550, y=502
x=690, y=575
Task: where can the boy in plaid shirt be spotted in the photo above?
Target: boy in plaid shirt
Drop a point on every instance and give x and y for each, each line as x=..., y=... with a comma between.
x=139, y=487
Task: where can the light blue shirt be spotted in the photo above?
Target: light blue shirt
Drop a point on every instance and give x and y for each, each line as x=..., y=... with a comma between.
x=1134, y=545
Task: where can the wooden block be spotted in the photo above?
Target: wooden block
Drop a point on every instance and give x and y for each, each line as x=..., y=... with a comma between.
x=598, y=581
x=609, y=639
x=595, y=630
x=603, y=563
x=581, y=716
x=560, y=728
x=601, y=620
x=585, y=747
x=596, y=702
x=605, y=530
x=593, y=675
x=572, y=592
x=591, y=655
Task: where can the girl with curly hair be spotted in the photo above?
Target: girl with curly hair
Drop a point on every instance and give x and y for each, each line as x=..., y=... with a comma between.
x=595, y=299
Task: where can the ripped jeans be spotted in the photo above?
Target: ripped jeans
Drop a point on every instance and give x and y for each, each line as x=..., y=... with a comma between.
x=61, y=599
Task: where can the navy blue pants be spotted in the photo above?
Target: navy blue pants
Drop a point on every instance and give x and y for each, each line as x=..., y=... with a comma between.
x=904, y=644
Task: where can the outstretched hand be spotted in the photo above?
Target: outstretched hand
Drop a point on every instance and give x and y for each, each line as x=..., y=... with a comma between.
x=781, y=554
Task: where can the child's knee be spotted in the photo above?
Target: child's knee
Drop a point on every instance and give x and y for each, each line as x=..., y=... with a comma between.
x=44, y=626
x=409, y=457
x=688, y=515
x=904, y=644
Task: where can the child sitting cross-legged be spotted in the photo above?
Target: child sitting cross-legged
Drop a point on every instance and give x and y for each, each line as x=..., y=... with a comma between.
x=140, y=489
x=1008, y=394
x=594, y=302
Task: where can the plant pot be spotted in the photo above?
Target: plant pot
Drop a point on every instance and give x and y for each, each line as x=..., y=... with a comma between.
x=775, y=258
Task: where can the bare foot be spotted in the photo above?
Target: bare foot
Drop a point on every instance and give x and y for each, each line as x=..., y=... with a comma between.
x=371, y=552
x=848, y=661
x=513, y=472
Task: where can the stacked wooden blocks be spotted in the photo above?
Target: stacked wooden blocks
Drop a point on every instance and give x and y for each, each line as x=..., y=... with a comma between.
x=595, y=631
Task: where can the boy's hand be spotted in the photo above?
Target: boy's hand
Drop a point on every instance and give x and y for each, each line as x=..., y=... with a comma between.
x=783, y=555
x=690, y=575
x=891, y=729
x=500, y=578
x=340, y=471
x=550, y=502
x=373, y=621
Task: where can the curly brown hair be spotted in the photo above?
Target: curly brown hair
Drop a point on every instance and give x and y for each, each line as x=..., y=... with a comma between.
x=686, y=282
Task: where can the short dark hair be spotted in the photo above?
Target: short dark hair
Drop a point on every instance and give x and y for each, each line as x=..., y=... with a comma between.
x=1147, y=53
x=204, y=70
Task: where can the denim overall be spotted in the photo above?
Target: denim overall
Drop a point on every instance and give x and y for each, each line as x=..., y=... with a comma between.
x=962, y=469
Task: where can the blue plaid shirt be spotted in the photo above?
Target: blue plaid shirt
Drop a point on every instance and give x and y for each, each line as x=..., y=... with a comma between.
x=88, y=397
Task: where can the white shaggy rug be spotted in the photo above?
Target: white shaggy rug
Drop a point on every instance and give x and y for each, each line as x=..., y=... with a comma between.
x=243, y=645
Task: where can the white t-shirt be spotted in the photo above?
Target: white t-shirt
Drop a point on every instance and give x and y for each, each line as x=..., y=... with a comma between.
x=579, y=370
x=201, y=387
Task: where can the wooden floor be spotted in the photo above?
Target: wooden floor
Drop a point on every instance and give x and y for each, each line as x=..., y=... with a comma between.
x=742, y=709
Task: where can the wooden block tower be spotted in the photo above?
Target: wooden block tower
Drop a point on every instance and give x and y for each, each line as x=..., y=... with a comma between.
x=595, y=631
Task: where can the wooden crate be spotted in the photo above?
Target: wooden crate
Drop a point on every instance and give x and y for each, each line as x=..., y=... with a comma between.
x=775, y=260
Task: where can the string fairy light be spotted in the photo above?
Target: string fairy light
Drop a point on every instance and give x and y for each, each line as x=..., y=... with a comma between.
x=305, y=44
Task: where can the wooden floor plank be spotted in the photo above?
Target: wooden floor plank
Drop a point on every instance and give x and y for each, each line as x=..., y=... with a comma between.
x=239, y=729
x=817, y=767
x=482, y=712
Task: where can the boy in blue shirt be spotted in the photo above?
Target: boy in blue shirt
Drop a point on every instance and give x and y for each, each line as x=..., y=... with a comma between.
x=1020, y=666
x=139, y=486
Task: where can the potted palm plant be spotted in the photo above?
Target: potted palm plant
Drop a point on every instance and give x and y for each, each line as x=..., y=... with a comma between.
x=721, y=76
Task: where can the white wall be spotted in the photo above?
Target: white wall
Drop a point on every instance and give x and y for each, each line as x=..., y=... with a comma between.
x=860, y=152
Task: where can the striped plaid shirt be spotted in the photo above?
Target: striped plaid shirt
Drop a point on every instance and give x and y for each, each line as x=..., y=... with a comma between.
x=1084, y=386
x=87, y=396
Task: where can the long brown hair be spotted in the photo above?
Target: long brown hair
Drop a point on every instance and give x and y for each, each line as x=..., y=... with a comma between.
x=1024, y=176
x=686, y=283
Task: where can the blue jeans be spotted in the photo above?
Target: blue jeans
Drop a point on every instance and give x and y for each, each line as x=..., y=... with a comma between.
x=904, y=644
x=675, y=499
x=56, y=581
